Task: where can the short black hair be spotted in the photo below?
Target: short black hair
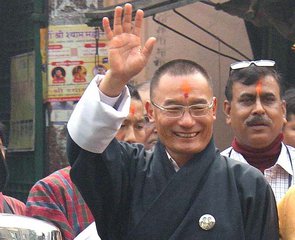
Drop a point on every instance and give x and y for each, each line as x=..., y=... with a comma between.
x=289, y=97
x=133, y=92
x=178, y=67
x=250, y=75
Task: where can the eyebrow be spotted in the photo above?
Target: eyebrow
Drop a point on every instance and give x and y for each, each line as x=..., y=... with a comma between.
x=193, y=102
x=263, y=94
x=141, y=119
x=247, y=95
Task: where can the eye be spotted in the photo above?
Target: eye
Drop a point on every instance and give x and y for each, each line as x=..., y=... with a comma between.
x=269, y=100
x=146, y=119
x=174, y=108
x=247, y=100
x=139, y=126
x=198, y=107
x=125, y=124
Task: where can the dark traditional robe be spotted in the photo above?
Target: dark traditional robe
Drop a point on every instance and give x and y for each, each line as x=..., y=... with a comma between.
x=137, y=195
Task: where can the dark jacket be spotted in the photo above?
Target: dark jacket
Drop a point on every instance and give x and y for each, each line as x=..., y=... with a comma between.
x=137, y=195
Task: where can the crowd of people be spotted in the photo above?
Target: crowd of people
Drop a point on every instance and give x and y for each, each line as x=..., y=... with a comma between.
x=143, y=161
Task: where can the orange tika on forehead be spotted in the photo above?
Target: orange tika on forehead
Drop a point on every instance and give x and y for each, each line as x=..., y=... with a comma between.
x=259, y=87
x=132, y=109
x=186, y=89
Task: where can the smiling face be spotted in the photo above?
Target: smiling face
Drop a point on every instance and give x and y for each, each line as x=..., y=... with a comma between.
x=186, y=135
x=256, y=112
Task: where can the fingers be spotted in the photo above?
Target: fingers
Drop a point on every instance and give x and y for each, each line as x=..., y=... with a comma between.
x=127, y=18
x=106, y=28
x=117, y=28
x=148, y=47
x=138, y=22
x=126, y=26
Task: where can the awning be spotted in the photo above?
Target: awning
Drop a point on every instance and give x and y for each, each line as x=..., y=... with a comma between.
x=279, y=14
x=150, y=8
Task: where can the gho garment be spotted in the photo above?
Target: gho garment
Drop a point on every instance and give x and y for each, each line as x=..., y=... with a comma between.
x=56, y=199
x=135, y=194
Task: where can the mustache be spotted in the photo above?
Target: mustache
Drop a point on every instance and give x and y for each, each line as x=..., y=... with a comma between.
x=258, y=120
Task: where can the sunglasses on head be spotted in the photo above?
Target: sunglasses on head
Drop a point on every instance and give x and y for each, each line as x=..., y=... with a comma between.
x=258, y=63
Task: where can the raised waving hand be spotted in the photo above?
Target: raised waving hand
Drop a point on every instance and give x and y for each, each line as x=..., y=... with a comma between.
x=126, y=55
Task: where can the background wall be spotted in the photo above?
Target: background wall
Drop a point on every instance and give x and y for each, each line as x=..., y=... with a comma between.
x=170, y=45
x=24, y=36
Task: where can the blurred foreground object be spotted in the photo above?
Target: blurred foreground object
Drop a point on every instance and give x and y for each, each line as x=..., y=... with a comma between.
x=26, y=228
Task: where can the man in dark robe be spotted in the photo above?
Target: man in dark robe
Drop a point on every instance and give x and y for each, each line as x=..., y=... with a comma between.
x=184, y=189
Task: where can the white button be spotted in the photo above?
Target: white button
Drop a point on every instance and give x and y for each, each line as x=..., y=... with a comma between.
x=207, y=222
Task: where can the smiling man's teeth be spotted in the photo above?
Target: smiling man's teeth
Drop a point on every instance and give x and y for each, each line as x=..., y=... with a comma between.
x=186, y=135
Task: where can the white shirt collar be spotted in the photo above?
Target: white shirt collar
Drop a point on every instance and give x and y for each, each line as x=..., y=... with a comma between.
x=174, y=164
x=285, y=160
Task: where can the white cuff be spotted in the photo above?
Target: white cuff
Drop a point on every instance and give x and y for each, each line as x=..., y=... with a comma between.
x=108, y=100
x=93, y=124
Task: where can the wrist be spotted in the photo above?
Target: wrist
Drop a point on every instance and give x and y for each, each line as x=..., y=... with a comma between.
x=110, y=85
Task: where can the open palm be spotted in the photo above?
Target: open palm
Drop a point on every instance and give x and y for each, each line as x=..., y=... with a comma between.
x=126, y=56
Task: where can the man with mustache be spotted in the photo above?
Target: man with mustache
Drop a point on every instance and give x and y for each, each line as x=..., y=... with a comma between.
x=256, y=112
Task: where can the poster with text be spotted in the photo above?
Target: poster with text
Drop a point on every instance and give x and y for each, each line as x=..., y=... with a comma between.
x=22, y=114
x=76, y=53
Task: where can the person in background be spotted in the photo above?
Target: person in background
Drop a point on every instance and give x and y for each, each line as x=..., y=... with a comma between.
x=256, y=112
x=289, y=127
x=286, y=211
x=184, y=188
x=150, y=128
x=132, y=130
x=7, y=204
x=56, y=199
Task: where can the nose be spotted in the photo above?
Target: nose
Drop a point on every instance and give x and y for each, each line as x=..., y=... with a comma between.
x=130, y=135
x=258, y=107
x=186, y=120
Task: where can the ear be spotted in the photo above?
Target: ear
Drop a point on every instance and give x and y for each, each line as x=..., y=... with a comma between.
x=214, y=108
x=149, y=110
x=226, y=110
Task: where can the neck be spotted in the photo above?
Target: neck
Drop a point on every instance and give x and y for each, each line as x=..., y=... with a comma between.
x=180, y=159
x=261, y=158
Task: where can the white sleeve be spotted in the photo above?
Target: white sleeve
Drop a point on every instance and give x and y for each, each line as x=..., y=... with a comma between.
x=89, y=233
x=93, y=123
